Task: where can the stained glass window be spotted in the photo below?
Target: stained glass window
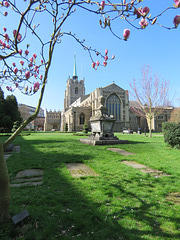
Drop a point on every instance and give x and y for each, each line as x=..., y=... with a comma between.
x=113, y=105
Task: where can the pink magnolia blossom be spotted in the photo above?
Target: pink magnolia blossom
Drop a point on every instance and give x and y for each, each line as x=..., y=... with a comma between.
x=104, y=63
x=126, y=34
x=5, y=14
x=35, y=68
x=30, y=65
x=31, y=59
x=177, y=3
x=14, y=33
x=16, y=84
x=26, y=52
x=35, y=75
x=6, y=4
x=106, y=58
x=93, y=65
x=20, y=51
x=36, y=86
x=34, y=55
x=19, y=37
x=30, y=89
x=7, y=88
x=106, y=52
x=176, y=20
x=15, y=70
x=102, y=5
x=6, y=37
x=37, y=71
x=41, y=76
x=42, y=61
x=3, y=44
x=4, y=29
x=8, y=46
x=14, y=64
x=97, y=53
x=27, y=74
x=145, y=11
x=143, y=23
x=97, y=63
x=21, y=62
x=113, y=56
x=138, y=12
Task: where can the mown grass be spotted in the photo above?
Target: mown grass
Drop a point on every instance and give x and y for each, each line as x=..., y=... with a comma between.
x=121, y=203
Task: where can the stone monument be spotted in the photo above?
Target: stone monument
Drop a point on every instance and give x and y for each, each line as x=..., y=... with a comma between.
x=102, y=127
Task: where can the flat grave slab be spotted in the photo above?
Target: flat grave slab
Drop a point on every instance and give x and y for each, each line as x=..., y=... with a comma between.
x=134, y=164
x=29, y=173
x=11, y=149
x=6, y=156
x=122, y=152
x=80, y=170
x=174, y=197
x=153, y=172
x=28, y=177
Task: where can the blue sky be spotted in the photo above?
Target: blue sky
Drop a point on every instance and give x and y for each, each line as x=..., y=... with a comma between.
x=154, y=45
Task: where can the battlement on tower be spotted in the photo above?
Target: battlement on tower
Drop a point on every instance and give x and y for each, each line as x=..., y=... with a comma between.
x=52, y=120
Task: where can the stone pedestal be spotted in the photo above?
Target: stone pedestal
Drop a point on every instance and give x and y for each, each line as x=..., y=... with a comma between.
x=101, y=128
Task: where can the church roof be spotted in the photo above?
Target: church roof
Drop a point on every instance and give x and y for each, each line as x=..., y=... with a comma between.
x=113, y=87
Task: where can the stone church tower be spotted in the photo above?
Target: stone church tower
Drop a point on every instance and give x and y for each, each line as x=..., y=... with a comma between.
x=74, y=88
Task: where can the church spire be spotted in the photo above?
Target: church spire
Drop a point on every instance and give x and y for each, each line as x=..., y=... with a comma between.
x=75, y=71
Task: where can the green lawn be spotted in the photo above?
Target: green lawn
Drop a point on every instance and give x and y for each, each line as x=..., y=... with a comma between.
x=120, y=203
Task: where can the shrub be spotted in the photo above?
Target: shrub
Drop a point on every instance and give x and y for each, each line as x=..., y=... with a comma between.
x=65, y=127
x=85, y=128
x=171, y=132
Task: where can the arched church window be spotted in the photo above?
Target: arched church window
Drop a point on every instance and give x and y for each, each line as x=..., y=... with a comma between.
x=113, y=105
x=82, y=118
x=76, y=90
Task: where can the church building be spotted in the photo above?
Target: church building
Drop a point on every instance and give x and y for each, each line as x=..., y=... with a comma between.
x=78, y=107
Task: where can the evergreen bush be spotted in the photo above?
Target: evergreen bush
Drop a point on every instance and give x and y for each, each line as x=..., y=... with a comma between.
x=85, y=128
x=65, y=127
x=171, y=132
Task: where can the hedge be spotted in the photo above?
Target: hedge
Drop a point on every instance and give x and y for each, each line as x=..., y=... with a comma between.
x=171, y=132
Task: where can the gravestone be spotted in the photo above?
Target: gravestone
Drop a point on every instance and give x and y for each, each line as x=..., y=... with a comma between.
x=80, y=170
x=28, y=177
x=20, y=216
x=122, y=152
x=102, y=128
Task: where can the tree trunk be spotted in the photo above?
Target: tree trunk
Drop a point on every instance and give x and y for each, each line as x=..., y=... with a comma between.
x=150, y=127
x=4, y=187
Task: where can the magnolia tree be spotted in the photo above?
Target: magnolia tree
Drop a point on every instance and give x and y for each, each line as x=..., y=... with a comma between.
x=26, y=69
x=152, y=94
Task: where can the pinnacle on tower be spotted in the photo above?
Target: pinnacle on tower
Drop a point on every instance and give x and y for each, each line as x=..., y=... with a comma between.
x=75, y=71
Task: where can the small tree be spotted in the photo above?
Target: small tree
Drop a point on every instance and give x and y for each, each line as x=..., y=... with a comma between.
x=26, y=69
x=85, y=128
x=152, y=94
x=11, y=110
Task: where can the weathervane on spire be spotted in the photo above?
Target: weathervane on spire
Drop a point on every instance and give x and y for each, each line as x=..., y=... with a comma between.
x=75, y=71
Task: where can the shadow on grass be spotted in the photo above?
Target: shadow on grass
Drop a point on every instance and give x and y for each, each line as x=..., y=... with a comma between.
x=61, y=207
